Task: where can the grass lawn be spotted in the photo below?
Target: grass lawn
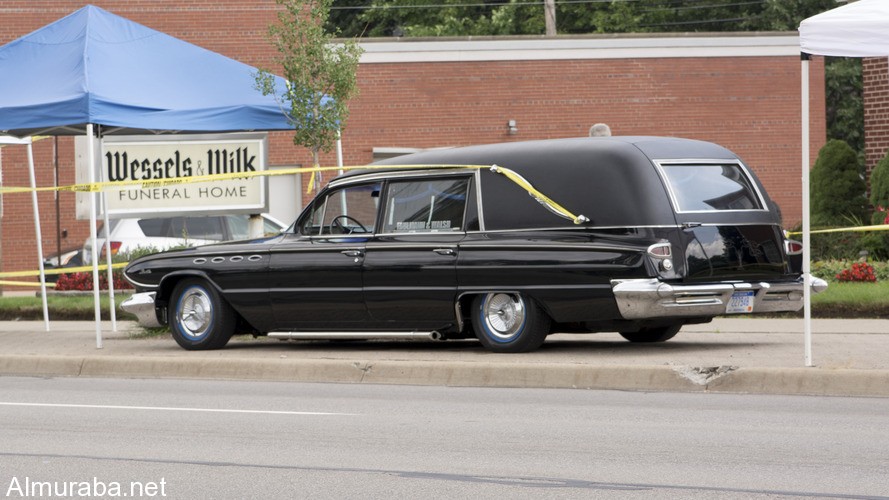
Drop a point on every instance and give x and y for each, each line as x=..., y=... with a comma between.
x=853, y=300
x=61, y=307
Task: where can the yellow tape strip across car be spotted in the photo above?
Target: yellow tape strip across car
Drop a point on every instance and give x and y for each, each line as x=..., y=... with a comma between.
x=151, y=183
x=881, y=227
x=59, y=270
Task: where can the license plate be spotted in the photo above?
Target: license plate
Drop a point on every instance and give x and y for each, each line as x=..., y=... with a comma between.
x=740, y=303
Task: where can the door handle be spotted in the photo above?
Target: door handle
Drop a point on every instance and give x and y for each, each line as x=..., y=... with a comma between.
x=353, y=253
x=445, y=251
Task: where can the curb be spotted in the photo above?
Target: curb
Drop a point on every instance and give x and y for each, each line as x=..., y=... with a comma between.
x=786, y=381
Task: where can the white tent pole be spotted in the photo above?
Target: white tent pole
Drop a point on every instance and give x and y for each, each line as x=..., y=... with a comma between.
x=807, y=257
x=339, y=151
x=108, y=257
x=95, y=251
x=39, y=234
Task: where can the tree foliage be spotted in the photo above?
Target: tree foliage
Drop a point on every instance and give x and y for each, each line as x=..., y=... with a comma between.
x=838, y=190
x=845, y=114
x=524, y=17
x=320, y=75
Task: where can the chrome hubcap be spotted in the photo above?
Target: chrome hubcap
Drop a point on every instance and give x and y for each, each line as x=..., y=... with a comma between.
x=195, y=312
x=504, y=315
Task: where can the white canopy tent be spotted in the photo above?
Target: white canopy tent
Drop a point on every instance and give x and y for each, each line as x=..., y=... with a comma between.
x=859, y=29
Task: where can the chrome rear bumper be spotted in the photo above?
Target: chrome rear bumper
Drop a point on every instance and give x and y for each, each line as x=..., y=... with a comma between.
x=652, y=298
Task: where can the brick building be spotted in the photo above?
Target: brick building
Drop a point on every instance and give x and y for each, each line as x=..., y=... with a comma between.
x=875, y=75
x=739, y=90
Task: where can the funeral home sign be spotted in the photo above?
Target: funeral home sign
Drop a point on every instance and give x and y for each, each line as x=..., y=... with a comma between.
x=155, y=159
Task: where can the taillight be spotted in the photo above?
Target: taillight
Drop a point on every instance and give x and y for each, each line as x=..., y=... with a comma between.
x=792, y=247
x=115, y=247
x=663, y=252
x=660, y=250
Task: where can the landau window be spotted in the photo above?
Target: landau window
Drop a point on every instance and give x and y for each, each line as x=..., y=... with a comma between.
x=435, y=205
x=707, y=188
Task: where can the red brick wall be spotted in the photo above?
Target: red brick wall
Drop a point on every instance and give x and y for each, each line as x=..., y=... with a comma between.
x=875, y=74
x=748, y=104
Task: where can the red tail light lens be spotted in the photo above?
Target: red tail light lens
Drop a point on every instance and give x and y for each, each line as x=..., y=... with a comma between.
x=115, y=247
x=660, y=250
x=792, y=247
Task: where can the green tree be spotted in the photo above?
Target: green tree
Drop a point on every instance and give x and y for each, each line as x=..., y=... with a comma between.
x=844, y=102
x=320, y=75
x=837, y=188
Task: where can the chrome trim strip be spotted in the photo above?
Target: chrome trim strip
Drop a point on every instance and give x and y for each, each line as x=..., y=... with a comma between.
x=406, y=233
x=433, y=335
x=561, y=246
x=575, y=228
x=478, y=200
x=395, y=173
x=422, y=246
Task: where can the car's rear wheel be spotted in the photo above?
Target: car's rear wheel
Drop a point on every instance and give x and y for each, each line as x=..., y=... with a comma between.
x=660, y=334
x=199, y=317
x=509, y=322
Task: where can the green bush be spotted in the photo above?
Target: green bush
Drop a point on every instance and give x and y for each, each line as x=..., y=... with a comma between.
x=837, y=189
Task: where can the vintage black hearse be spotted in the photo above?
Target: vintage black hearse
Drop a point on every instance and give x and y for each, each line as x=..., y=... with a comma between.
x=638, y=235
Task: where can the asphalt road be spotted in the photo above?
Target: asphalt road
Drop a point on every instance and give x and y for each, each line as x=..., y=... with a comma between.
x=225, y=439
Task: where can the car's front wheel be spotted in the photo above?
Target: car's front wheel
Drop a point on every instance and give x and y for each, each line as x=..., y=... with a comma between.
x=199, y=317
x=648, y=335
x=509, y=322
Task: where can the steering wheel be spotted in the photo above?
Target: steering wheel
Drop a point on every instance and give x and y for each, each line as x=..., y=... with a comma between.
x=344, y=228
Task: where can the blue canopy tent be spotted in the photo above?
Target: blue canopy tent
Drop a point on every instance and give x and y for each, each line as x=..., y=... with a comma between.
x=96, y=73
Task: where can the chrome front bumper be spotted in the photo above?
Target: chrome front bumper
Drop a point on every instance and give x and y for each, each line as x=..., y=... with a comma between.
x=652, y=298
x=142, y=306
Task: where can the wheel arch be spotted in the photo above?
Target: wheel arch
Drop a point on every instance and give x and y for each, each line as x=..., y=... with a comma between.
x=168, y=284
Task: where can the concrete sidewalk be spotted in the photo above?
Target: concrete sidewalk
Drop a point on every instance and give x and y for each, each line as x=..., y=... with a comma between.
x=742, y=355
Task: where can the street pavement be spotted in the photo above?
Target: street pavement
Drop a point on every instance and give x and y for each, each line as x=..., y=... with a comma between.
x=733, y=354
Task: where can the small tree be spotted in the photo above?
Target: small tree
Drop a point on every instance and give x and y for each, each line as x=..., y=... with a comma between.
x=838, y=191
x=320, y=75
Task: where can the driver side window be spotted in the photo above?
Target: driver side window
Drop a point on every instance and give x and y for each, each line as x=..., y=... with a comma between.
x=349, y=210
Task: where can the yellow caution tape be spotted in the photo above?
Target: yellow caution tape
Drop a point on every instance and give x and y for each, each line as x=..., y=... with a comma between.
x=24, y=283
x=881, y=227
x=152, y=183
x=100, y=186
x=59, y=270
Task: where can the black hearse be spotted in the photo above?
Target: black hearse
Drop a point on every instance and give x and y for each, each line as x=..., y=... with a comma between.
x=507, y=243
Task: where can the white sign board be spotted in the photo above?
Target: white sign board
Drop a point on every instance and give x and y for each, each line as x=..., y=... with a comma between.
x=148, y=158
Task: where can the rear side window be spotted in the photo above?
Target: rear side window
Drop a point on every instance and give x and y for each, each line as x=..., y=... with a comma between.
x=428, y=205
x=155, y=228
x=201, y=228
x=710, y=187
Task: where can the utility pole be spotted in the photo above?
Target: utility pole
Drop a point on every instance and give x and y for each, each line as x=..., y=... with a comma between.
x=549, y=16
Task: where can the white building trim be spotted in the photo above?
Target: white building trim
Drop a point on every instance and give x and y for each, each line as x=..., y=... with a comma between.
x=406, y=50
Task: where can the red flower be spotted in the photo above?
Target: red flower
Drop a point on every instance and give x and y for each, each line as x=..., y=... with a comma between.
x=859, y=272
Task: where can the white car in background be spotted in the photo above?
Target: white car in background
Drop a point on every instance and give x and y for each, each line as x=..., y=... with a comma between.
x=164, y=233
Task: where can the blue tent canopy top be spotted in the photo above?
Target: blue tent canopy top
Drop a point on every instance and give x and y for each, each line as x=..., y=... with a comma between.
x=94, y=67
